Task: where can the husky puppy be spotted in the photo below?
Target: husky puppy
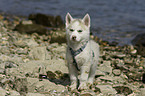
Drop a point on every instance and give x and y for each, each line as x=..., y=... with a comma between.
x=82, y=53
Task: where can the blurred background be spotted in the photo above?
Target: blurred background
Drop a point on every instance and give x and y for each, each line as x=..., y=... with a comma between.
x=111, y=20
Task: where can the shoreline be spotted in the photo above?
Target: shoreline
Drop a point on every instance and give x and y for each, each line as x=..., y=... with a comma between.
x=24, y=57
x=12, y=17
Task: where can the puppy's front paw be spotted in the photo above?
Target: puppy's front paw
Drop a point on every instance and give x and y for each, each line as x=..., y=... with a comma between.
x=73, y=87
x=83, y=86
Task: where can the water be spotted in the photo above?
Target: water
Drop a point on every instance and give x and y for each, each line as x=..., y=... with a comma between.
x=111, y=20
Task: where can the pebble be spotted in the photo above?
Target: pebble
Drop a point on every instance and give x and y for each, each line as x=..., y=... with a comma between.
x=116, y=72
x=26, y=22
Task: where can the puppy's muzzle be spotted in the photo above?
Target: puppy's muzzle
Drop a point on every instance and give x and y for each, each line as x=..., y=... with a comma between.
x=74, y=38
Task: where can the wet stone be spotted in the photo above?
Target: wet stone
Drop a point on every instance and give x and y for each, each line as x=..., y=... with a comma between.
x=139, y=43
x=31, y=28
x=47, y=20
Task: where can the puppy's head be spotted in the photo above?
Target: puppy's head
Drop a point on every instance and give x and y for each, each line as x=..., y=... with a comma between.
x=77, y=30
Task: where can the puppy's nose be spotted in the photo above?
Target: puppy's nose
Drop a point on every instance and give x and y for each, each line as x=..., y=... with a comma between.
x=74, y=37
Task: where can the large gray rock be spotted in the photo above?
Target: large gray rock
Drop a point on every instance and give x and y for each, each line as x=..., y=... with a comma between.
x=46, y=85
x=24, y=85
x=105, y=67
x=15, y=58
x=47, y=20
x=58, y=36
x=142, y=93
x=31, y=43
x=13, y=72
x=139, y=43
x=106, y=89
x=113, y=79
x=34, y=68
x=39, y=53
x=57, y=65
x=31, y=28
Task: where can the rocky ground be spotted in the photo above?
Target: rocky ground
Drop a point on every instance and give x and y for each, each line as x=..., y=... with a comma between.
x=34, y=65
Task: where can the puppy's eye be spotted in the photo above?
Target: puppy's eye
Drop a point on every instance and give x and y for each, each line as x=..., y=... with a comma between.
x=80, y=31
x=71, y=30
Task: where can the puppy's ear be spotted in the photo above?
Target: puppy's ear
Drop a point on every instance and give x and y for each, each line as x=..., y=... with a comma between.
x=86, y=20
x=68, y=19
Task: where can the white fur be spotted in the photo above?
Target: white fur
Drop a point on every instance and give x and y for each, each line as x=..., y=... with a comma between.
x=85, y=60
